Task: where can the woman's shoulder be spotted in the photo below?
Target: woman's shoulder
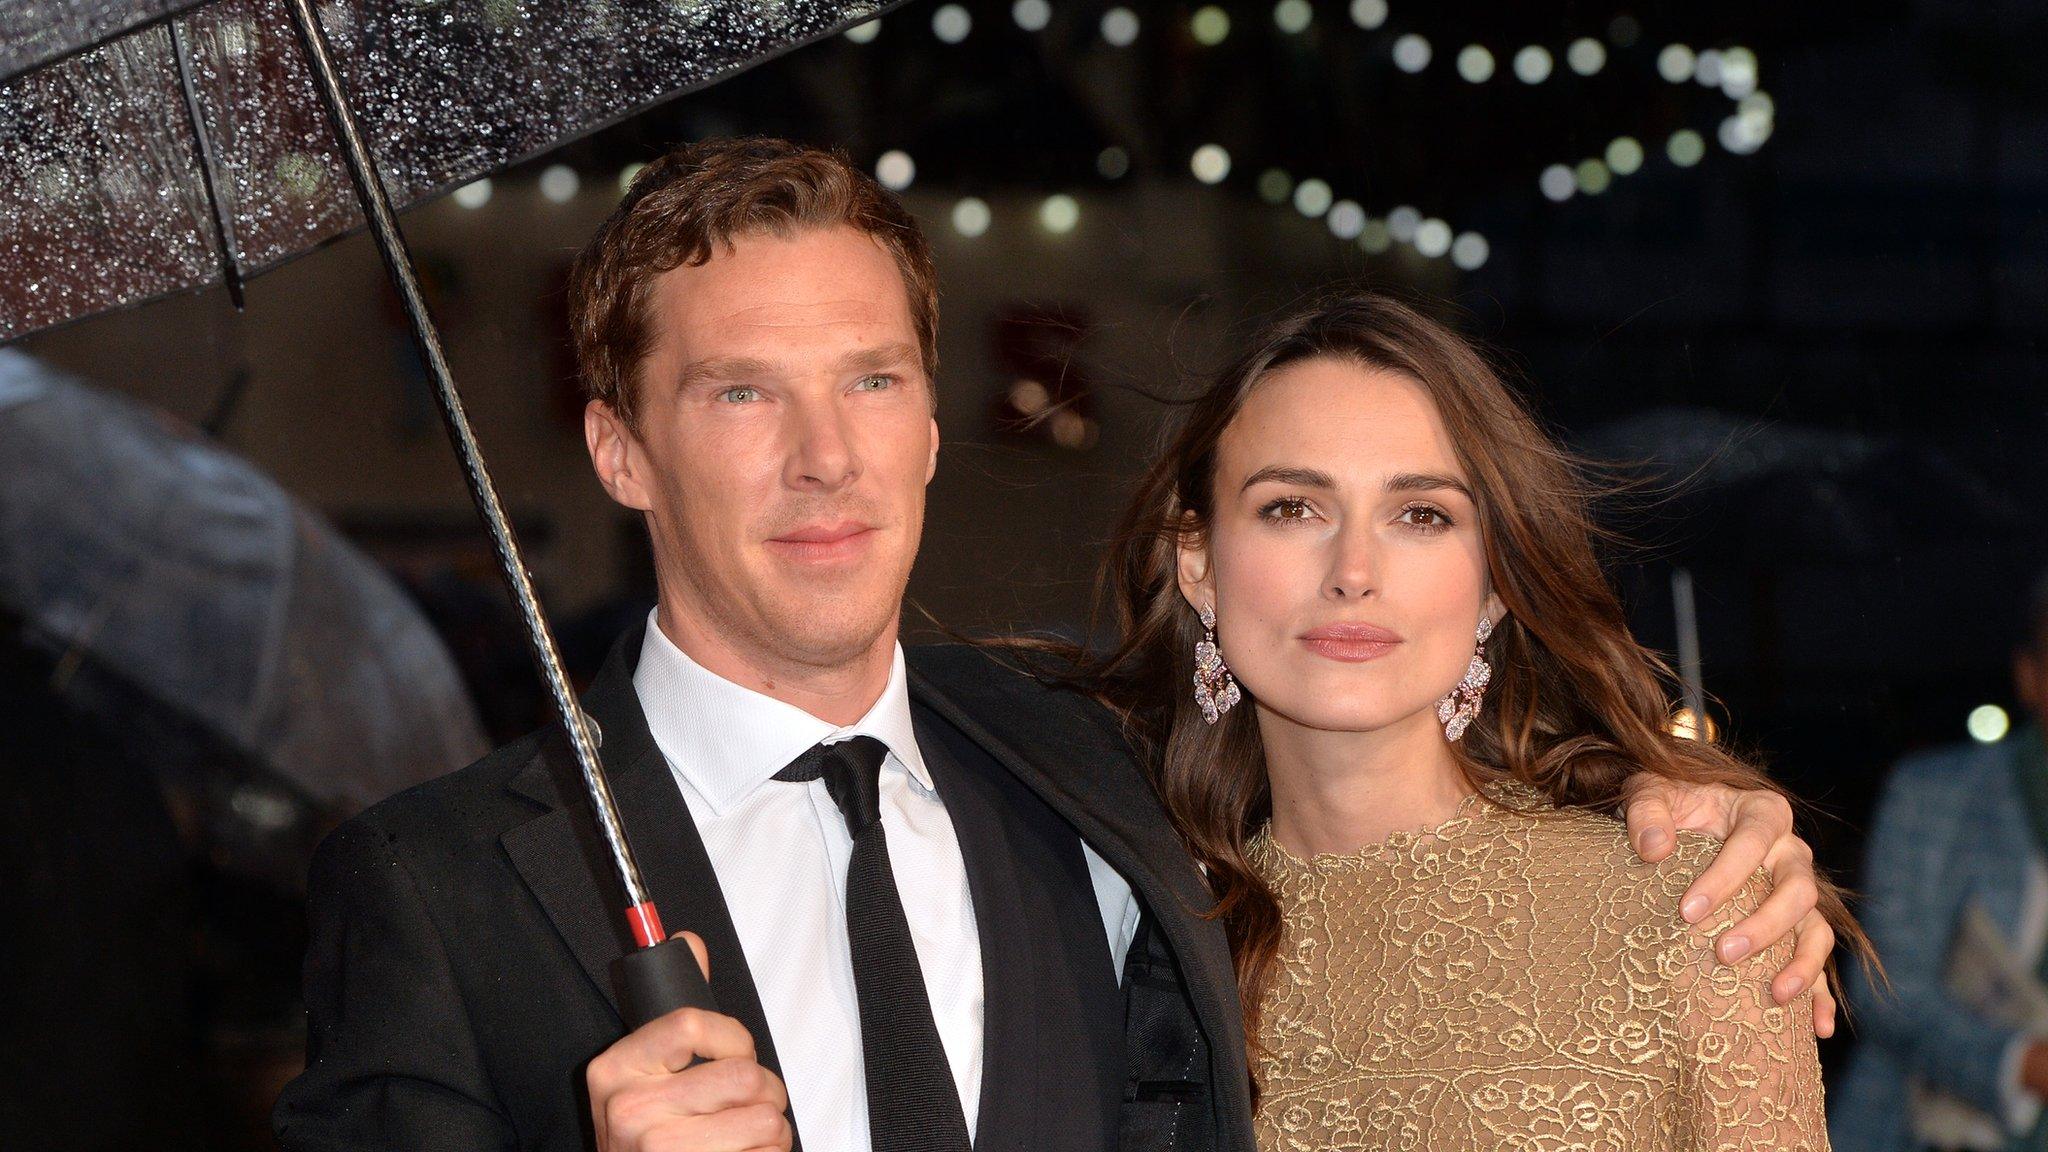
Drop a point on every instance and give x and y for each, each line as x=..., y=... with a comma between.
x=1584, y=856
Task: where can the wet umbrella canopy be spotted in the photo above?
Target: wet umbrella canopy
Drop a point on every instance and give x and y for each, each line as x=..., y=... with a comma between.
x=195, y=150
x=129, y=543
x=211, y=145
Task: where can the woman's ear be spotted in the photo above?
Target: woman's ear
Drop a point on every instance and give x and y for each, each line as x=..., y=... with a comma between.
x=1191, y=564
x=1495, y=611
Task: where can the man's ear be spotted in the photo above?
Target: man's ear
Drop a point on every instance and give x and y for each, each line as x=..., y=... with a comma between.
x=931, y=467
x=616, y=456
x=1191, y=564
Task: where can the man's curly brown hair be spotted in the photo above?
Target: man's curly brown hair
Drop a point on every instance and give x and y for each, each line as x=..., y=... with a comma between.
x=699, y=199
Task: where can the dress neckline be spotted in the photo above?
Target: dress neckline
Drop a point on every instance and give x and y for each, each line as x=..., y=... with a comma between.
x=1494, y=799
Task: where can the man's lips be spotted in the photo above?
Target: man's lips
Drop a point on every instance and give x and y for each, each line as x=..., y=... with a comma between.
x=824, y=541
x=823, y=533
x=1351, y=643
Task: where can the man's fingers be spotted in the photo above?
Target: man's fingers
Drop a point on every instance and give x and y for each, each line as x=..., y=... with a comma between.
x=698, y=950
x=1824, y=1009
x=1809, y=959
x=1741, y=855
x=1791, y=901
x=727, y=1104
x=669, y=1044
x=736, y=1130
x=1650, y=827
x=718, y=1086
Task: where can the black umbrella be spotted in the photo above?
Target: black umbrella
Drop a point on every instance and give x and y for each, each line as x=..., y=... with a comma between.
x=1815, y=549
x=1853, y=496
x=155, y=146
x=145, y=560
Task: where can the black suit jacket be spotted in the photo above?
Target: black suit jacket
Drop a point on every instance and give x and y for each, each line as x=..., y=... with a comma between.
x=462, y=933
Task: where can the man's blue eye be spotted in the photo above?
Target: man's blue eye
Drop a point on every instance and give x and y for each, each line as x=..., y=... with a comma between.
x=738, y=395
x=875, y=383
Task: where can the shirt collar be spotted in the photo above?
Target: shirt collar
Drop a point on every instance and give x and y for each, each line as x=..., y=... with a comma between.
x=723, y=741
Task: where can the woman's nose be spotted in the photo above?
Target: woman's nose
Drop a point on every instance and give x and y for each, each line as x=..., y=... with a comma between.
x=1352, y=572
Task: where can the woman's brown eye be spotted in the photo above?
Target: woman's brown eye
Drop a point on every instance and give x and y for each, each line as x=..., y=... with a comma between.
x=1423, y=516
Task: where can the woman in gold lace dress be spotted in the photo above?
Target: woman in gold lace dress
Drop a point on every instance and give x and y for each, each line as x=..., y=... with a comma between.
x=1415, y=704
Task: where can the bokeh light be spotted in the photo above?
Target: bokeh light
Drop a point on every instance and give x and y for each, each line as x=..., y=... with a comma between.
x=896, y=170
x=1533, y=64
x=1312, y=197
x=1368, y=14
x=1988, y=724
x=951, y=23
x=1475, y=64
x=971, y=217
x=1411, y=53
x=1059, y=214
x=1210, y=163
x=559, y=183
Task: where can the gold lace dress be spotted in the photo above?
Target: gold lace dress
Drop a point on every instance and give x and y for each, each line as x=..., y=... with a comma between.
x=1521, y=980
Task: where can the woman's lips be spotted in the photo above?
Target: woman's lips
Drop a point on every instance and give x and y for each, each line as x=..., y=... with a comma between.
x=1351, y=643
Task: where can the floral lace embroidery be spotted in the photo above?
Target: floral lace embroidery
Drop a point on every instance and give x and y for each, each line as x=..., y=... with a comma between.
x=1519, y=979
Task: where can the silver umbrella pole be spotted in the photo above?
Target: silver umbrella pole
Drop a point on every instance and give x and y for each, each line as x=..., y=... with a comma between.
x=678, y=987
x=1685, y=609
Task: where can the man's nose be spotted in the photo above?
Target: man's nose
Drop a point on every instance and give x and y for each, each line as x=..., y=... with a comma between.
x=822, y=454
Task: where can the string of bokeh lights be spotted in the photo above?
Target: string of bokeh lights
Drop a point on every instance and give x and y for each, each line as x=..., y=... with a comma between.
x=1733, y=71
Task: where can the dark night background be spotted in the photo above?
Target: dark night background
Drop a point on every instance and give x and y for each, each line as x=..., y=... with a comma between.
x=1820, y=352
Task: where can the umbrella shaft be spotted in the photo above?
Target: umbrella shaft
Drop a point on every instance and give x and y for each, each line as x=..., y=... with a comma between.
x=369, y=185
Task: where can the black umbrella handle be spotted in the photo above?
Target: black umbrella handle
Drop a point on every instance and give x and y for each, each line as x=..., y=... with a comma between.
x=656, y=980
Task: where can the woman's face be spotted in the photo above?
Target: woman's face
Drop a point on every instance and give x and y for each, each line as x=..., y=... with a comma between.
x=1344, y=559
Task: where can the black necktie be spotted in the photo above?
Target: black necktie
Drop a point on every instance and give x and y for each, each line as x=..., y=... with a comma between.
x=913, y=1105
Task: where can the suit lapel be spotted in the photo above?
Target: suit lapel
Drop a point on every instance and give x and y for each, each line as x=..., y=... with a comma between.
x=564, y=863
x=978, y=826
x=1084, y=772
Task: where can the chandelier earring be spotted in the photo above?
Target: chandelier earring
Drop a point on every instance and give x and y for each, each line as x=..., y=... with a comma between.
x=1457, y=710
x=1216, y=691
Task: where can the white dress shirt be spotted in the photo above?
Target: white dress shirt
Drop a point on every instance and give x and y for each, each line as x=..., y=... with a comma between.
x=780, y=851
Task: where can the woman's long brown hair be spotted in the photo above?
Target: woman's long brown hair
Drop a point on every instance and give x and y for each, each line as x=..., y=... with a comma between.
x=1576, y=705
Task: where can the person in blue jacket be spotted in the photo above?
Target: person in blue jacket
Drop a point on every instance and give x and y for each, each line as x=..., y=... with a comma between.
x=1952, y=1055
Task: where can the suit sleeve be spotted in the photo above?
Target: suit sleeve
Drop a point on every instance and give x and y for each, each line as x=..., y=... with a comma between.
x=391, y=1060
x=1913, y=911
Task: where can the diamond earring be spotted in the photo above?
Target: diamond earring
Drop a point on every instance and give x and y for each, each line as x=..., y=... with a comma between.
x=1457, y=710
x=1215, y=691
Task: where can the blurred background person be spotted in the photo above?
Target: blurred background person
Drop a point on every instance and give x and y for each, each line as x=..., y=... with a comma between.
x=1954, y=1055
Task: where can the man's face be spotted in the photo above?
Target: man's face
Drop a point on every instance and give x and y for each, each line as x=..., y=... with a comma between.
x=785, y=440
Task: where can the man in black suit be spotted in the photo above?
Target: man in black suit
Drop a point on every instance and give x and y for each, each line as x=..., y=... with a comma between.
x=939, y=904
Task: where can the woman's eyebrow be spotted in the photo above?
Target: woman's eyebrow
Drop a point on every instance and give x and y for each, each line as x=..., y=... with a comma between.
x=1427, y=482
x=1282, y=474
